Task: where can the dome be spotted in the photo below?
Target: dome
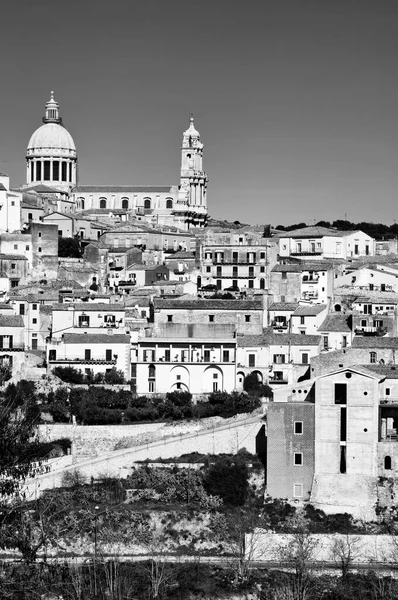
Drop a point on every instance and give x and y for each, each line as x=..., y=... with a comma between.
x=51, y=136
x=191, y=131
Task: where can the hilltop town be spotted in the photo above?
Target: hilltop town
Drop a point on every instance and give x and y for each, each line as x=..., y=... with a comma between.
x=133, y=285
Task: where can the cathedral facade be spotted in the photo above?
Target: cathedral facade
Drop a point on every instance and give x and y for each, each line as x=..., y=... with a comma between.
x=52, y=162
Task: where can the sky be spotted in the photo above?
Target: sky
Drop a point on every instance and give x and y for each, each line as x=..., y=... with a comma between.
x=296, y=100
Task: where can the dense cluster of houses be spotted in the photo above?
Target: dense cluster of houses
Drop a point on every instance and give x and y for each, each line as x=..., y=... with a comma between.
x=312, y=312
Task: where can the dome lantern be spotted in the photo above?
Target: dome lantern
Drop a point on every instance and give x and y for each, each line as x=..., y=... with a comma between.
x=52, y=111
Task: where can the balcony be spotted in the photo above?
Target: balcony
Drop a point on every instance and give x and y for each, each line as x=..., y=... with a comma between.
x=309, y=295
x=374, y=331
x=14, y=348
x=306, y=253
x=310, y=279
x=279, y=324
x=278, y=381
x=79, y=360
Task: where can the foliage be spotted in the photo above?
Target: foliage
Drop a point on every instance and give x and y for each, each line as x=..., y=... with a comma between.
x=71, y=375
x=228, y=478
x=253, y=386
x=226, y=405
x=69, y=248
x=5, y=373
x=375, y=230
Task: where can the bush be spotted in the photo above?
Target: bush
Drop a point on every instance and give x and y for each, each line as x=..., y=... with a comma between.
x=228, y=478
x=74, y=478
x=69, y=374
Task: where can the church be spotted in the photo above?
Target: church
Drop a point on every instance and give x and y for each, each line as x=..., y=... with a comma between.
x=52, y=168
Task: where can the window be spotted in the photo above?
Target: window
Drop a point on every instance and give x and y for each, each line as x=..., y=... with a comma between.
x=251, y=283
x=13, y=266
x=262, y=255
x=356, y=249
x=206, y=355
x=55, y=170
x=147, y=203
x=125, y=203
x=39, y=234
x=372, y=357
x=247, y=318
x=252, y=360
x=340, y=393
x=279, y=359
x=298, y=427
x=302, y=320
x=325, y=342
x=151, y=386
x=108, y=354
x=102, y=203
x=167, y=355
x=12, y=203
x=262, y=269
x=208, y=269
x=15, y=246
x=84, y=321
x=284, y=275
x=387, y=463
x=388, y=391
x=26, y=247
x=30, y=216
x=297, y=490
x=87, y=354
x=225, y=356
x=235, y=256
x=34, y=306
x=298, y=459
x=47, y=168
x=169, y=318
x=304, y=358
x=22, y=309
x=34, y=321
x=344, y=341
x=39, y=249
x=211, y=318
x=169, y=203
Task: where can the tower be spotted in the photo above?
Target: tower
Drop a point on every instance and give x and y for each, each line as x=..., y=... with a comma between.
x=51, y=157
x=191, y=207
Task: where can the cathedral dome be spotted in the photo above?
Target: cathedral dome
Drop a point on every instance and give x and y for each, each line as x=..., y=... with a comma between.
x=49, y=137
x=51, y=154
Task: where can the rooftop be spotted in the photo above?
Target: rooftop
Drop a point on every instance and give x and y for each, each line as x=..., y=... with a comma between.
x=210, y=304
x=336, y=322
x=11, y=321
x=289, y=268
x=90, y=307
x=288, y=306
x=96, y=338
x=269, y=338
x=373, y=342
x=310, y=310
x=314, y=232
x=124, y=189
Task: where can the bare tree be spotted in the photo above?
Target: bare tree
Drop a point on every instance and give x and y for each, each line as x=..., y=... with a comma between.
x=344, y=551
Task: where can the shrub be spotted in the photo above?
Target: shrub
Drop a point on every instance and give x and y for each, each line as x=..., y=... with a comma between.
x=113, y=376
x=74, y=478
x=69, y=374
x=228, y=478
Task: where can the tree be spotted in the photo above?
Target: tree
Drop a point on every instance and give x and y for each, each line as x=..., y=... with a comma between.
x=344, y=551
x=69, y=248
x=228, y=478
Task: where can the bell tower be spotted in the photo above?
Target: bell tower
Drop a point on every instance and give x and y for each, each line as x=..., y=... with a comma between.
x=191, y=208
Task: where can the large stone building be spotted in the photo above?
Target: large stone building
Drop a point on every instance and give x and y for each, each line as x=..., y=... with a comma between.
x=52, y=162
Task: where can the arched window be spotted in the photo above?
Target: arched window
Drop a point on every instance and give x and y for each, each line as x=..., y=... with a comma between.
x=169, y=203
x=125, y=203
x=372, y=357
x=81, y=203
x=151, y=371
x=337, y=307
x=147, y=203
x=387, y=463
x=102, y=202
x=262, y=284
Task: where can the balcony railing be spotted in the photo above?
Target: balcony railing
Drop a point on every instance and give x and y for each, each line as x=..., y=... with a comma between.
x=15, y=348
x=376, y=331
x=278, y=380
x=82, y=360
x=308, y=279
x=279, y=324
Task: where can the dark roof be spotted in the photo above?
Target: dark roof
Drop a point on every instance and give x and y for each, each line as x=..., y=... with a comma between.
x=2, y=188
x=268, y=338
x=336, y=322
x=89, y=307
x=123, y=189
x=11, y=321
x=5, y=306
x=216, y=304
x=388, y=371
x=289, y=268
x=315, y=265
x=180, y=254
x=31, y=206
x=12, y=257
x=363, y=341
x=96, y=338
x=311, y=310
x=288, y=306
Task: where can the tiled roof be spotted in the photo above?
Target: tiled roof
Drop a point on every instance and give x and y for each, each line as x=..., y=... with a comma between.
x=336, y=322
x=12, y=257
x=11, y=321
x=318, y=265
x=363, y=341
x=388, y=371
x=373, y=296
x=31, y=206
x=210, y=304
x=5, y=306
x=313, y=232
x=268, y=338
x=288, y=306
x=44, y=189
x=180, y=254
x=311, y=310
x=90, y=307
x=123, y=189
x=96, y=338
x=137, y=301
x=290, y=268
